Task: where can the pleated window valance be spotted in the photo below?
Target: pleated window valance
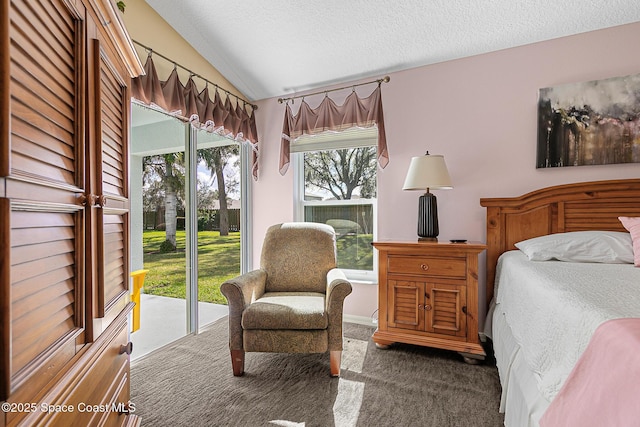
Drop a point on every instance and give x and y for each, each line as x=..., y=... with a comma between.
x=328, y=116
x=203, y=110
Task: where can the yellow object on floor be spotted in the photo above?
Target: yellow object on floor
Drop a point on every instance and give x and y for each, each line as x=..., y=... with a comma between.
x=138, y=283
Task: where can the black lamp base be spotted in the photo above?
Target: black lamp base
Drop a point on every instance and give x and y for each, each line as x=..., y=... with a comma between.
x=428, y=217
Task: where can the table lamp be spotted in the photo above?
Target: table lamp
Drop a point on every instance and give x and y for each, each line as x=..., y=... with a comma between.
x=428, y=172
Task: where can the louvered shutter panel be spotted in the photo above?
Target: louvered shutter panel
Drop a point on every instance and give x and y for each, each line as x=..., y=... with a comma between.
x=405, y=300
x=448, y=303
x=42, y=214
x=113, y=112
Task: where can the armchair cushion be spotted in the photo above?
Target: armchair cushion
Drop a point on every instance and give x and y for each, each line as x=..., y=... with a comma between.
x=286, y=340
x=286, y=310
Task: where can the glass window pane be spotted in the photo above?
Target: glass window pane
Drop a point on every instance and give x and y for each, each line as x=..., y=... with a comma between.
x=331, y=179
x=340, y=174
x=354, y=232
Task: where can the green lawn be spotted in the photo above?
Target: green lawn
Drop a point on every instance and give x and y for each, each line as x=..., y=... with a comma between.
x=218, y=260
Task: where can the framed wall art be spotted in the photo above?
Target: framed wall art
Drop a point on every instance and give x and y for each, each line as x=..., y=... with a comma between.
x=589, y=123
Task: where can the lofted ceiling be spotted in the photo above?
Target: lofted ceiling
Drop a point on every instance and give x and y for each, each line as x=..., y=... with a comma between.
x=278, y=47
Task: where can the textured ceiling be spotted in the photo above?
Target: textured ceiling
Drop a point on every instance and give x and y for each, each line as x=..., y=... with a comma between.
x=277, y=47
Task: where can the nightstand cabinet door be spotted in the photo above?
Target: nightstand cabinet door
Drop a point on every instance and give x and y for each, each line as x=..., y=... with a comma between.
x=445, y=307
x=431, y=307
x=406, y=304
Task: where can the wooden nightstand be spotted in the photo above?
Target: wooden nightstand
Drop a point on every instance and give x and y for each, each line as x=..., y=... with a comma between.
x=428, y=295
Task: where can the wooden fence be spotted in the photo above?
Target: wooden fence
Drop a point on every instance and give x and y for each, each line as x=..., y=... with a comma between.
x=208, y=220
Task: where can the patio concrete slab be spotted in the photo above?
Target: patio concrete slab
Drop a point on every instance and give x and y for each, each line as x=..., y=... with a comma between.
x=164, y=320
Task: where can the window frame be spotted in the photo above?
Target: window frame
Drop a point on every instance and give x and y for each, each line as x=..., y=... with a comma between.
x=299, y=203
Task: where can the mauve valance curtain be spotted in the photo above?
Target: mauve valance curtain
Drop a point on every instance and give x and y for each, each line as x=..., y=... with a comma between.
x=355, y=112
x=199, y=107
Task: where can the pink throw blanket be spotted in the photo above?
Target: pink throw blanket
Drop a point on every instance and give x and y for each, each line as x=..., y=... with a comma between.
x=603, y=389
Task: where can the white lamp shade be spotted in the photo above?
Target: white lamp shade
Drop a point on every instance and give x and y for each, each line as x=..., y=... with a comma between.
x=427, y=172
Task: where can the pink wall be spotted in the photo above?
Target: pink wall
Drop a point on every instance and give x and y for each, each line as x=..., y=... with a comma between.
x=480, y=113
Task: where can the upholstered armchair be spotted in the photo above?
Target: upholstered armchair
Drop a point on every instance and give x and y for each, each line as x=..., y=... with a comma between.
x=293, y=303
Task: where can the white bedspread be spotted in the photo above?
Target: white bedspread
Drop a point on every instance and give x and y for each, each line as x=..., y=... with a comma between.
x=553, y=308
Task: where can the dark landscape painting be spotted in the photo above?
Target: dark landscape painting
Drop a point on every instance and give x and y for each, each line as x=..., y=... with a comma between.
x=590, y=123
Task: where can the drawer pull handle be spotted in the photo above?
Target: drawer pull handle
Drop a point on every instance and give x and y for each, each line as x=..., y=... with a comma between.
x=424, y=267
x=127, y=348
x=428, y=307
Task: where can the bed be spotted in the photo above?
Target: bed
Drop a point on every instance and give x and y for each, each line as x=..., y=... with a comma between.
x=544, y=316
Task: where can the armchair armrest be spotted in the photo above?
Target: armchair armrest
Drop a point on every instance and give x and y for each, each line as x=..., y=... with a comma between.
x=338, y=287
x=245, y=288
x=240, y=292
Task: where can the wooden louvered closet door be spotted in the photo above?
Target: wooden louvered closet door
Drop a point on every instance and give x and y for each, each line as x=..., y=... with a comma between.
x=109, y=182
x=64, y=211
x=43, y=317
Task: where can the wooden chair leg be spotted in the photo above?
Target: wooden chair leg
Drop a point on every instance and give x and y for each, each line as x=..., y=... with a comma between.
x=237, y=362
x=335, y=357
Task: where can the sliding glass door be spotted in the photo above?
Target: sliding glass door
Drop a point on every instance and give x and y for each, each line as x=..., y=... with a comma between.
x=219, y=219
x=158, y=227
x=189, y=214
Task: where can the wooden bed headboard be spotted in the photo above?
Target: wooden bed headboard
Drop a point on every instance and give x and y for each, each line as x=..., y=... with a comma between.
x=563, y=208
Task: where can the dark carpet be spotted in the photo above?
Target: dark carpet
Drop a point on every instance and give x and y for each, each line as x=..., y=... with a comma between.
x=190, y=383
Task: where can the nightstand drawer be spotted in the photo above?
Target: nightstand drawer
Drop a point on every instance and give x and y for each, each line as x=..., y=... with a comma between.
x=427, y=266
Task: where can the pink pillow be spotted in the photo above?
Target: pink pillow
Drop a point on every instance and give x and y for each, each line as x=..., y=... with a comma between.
x=632, y=224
